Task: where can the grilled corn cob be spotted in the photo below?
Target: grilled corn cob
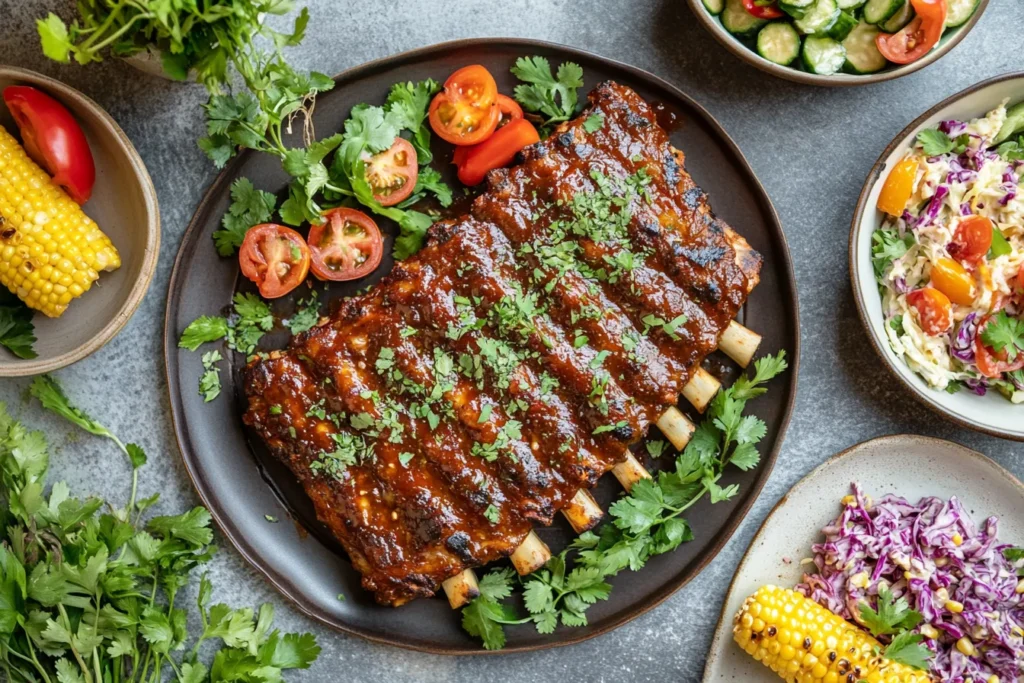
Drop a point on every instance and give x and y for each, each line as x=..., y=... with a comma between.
x=803, y=642
x=50, y=251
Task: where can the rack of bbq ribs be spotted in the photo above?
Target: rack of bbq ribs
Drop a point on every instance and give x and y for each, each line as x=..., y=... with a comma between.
x=489, y=381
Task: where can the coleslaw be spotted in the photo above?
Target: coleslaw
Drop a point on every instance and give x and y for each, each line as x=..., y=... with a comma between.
x=949, y=258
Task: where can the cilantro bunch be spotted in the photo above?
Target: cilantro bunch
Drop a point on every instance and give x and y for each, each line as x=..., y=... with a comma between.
x=550, y=98
x=17, y=333
x=647, y=522
x=89, y=591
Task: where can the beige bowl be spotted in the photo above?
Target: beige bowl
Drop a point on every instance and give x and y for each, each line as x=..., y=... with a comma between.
x=124, y=205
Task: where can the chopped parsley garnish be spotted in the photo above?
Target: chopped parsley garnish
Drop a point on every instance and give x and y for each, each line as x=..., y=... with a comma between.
x=669, y=327
x=594, y=122
x=306, y=316
x=209, y=382
x=492, y=514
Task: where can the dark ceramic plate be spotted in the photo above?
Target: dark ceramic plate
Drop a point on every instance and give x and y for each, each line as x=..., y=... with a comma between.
x=241, y=484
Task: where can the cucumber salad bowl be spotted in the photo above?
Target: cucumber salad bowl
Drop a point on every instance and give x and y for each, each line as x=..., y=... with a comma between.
x=839, y=42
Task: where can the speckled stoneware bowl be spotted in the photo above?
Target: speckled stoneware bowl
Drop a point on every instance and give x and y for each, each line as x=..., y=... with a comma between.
x=992, y=413
x=906, y=465
x=740, y=49
x=124, y=205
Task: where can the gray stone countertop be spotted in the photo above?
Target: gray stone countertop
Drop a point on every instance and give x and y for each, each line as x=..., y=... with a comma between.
x=811, y=147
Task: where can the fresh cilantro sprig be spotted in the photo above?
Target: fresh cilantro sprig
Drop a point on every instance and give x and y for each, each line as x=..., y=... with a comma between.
x=553, y=97
x=646, y=522
x=17, y=333
x=484, y=616
x=249, y=207
x=89, y=591
x=886, y=247
x=935, y=143
x=893, y=617
x=1004, y=334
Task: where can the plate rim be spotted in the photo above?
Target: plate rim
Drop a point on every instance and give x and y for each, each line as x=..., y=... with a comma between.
x=806, y=480
x=874, y=175
x=151, y=250
x=788, y=284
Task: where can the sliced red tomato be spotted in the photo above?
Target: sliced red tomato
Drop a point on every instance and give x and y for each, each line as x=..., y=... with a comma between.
x=53, y=138
x=934, y=310
x=509, y=110
x=972, y=240
x=918, y=37
x=991, y=363
x=466, y=111
x=346, y=246
x=392, y=173
x=766, y=11
x=276, y=258
x=496, y=151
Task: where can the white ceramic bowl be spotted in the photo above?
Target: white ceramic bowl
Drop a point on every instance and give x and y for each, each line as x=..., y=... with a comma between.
x=906, y=465
x=992, y=413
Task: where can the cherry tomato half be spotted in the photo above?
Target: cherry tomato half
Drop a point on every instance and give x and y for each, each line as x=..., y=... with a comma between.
x=990, y=363
x=466, y=111
x=496, y=151
x=768, y=11
x=509, y=110
x=898, y=187
x=392, y=173
x=972, y=239
x=276, y=258
x=346, y=246
x=953, y=280
x=918, y=37
x=54, y=139
x=934, y=310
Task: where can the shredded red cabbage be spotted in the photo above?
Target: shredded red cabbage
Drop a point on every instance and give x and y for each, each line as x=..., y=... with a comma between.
x=931, y=212
x=962, y=347
x=952, y=127
x=929, y=553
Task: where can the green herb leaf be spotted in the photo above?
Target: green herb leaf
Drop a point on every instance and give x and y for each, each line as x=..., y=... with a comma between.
x=202, y=330
x=594, y=122
x=554, y=97
x=891, y=616
x=249, y=207
x=1004, y=334
x=908, y=648
x=934, y=142
x=17, y=333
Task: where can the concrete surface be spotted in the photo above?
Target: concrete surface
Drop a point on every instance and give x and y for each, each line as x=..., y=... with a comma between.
x=811, y=147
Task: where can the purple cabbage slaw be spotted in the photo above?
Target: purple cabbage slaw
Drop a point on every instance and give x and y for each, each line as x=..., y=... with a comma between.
x=871, y=543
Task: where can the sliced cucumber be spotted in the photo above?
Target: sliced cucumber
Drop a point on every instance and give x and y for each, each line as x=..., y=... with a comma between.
x=844, y=24
x=819, y=18
x=850, y=4
x=897, y=21
x=738, y=21
x=862, y=55
x=1014, y=122
x=794, y=11
x=960, y=11
x=877, y=11
x=714, y=6
x=822, y=55
x=778, y=42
